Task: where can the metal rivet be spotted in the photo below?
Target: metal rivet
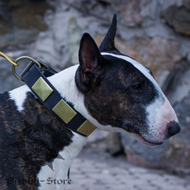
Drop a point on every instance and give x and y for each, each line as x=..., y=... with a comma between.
x=42, y=89
x=64, y=111
x=86, y=128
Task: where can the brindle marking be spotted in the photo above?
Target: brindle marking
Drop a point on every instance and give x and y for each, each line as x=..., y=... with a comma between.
x=28, y=139
x=134, y=91
x=113, y=92
x=118, y=79
x=119, y=91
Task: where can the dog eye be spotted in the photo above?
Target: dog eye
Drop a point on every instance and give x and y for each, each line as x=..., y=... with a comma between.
x=137, y=87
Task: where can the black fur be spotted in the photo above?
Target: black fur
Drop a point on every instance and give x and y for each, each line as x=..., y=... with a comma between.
x=108, y=43
x=116, y=93
x=28, y=140
x=135, y=93
x=91, y=64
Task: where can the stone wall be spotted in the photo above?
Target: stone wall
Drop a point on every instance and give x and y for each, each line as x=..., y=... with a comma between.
x=155, y=32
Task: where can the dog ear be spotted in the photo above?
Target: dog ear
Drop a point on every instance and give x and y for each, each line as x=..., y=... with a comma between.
x=91, y=64
x=108, y=42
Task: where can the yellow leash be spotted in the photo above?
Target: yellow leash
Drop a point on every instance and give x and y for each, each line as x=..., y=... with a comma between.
x=15, y=63
x=8, y=58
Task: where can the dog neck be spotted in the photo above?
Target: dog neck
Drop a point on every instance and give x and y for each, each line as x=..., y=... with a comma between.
x=64, y=82
x=56, y=176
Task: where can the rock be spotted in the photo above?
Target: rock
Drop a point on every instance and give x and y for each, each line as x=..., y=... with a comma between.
x=159, y=54
x=182, y=144
x=173, y=155
x=186, y=4
x=158, y=29
x=7, y=79
x=53, y=35
x=113, y=144
x=33, y=12
x=143, y=155
x=109, y=142
x=5, y=24
x=17, y=38
x=162, y=55
x=185, y=48
x=178, y=86
x=20, y=22
x=59, y=45
x=178, y=18
x=149, y=10
x=74, y=36
x=96, y=136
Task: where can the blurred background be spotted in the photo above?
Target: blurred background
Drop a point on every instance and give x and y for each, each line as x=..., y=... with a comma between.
x=154, y=32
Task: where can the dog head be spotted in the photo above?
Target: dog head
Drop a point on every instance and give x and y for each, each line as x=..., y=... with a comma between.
x=121, y=94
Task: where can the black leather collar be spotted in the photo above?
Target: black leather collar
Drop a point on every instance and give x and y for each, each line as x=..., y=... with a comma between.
x=36, y=80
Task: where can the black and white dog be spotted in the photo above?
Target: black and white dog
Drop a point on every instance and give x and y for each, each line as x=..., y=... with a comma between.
x=111, y=90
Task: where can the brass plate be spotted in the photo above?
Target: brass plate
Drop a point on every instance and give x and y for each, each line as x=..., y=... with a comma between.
x=64, y=111
x=86, y=128
x=42, y=89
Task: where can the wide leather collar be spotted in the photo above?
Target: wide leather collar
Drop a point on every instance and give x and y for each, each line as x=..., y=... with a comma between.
x=37, y=81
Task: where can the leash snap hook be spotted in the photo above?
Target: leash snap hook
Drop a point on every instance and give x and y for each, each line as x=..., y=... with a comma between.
x=8, y=58
x=17, y=62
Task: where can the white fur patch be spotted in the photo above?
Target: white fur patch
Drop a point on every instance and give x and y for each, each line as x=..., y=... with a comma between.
x=18, y=95
x=57, y=179
x=137, y=65
x=160, y=112
x=64, y=82
x=159, y=115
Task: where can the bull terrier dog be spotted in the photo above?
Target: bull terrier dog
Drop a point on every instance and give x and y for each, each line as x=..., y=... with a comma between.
x=108, y=90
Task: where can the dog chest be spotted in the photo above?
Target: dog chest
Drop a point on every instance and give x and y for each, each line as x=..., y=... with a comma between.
x=55, y=175
x=30, y=139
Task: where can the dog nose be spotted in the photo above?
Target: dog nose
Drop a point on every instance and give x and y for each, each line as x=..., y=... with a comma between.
x=173, y=128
